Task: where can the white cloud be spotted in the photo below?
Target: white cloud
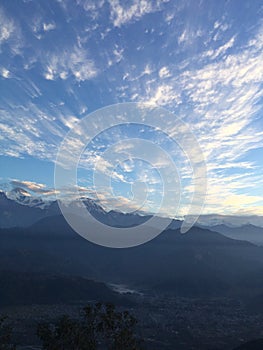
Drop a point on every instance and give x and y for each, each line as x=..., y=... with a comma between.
x=118, y=53
x=30, y=130
x=123, y=14
x=219, y=29
x=188, y=36
x=223, y=49
x=37, y=188
x=70, y=62
x=221, y=26
x=147, y=70
x=69, y=121
x=183, y=37
x=7, y=27
x=5, y=73
x=92, y=7
x=10, y=33
x=223, y=98
x=164, y=73
x=49, y=26
x=216, y=24
x=39, y=26
x=163, y=94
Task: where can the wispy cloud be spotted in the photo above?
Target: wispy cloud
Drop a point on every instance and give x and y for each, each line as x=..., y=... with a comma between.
x=222, y=49
x=10, y=33
x=7, y=27
x=71, y=62
x=164, y=73
x=224, y=105
x=226, y=97
x=163, y=95
x=92, y=7
x=123, y=14
x=33, y=187
x=30, y=130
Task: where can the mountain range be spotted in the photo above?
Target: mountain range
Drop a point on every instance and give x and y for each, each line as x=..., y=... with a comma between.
x=202, y=261
x=20, y=209
x=248, y=232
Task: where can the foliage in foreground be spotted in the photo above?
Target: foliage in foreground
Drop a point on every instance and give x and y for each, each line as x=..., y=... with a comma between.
x=5, y=335
x=100, y=327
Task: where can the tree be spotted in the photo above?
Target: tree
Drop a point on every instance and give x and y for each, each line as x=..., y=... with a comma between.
x=118, y=329
x=5, y=335
x=67, y=334
x=99, y=327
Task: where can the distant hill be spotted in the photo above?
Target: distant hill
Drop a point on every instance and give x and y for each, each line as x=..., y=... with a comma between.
x=230, y=220
x=248, y=233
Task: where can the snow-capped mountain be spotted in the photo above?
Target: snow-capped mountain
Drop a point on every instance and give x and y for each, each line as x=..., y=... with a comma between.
x=12, y=213
x=20, y=208
x=18, y=194
x=23, y=197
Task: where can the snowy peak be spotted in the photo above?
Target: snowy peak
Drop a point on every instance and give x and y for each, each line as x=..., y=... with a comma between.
x=21, y=196
x=18, y=194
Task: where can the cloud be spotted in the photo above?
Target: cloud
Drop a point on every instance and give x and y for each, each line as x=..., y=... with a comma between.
x=118, y=53
x=164, y=73
x=5, y=73
x=220, y=28
x=121, y=15
x=223, y=98
x=183, y=37
x=34, y=187
x=188, y=36
x=49, y=26
x=39, y=26
x=162, y=95
x=31, y=130
x=10, y=33
x=7, y=27
x=70, y=62
x=92, y=7
x=222, y=49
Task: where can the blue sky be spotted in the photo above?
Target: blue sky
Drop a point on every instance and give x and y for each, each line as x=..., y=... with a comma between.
x=201, y=60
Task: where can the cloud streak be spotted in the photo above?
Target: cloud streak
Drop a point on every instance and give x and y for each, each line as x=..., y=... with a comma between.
x=33, y=187
x=72, y=62
x=122, y=15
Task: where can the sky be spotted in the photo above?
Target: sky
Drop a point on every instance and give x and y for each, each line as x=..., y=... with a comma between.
x=201, y=60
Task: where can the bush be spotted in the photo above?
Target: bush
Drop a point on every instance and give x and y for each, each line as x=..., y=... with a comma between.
x=99, y=327
x=5, y=335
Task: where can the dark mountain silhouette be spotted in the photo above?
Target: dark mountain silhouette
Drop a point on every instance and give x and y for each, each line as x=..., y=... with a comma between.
x=34, y=288
x=200, y=262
